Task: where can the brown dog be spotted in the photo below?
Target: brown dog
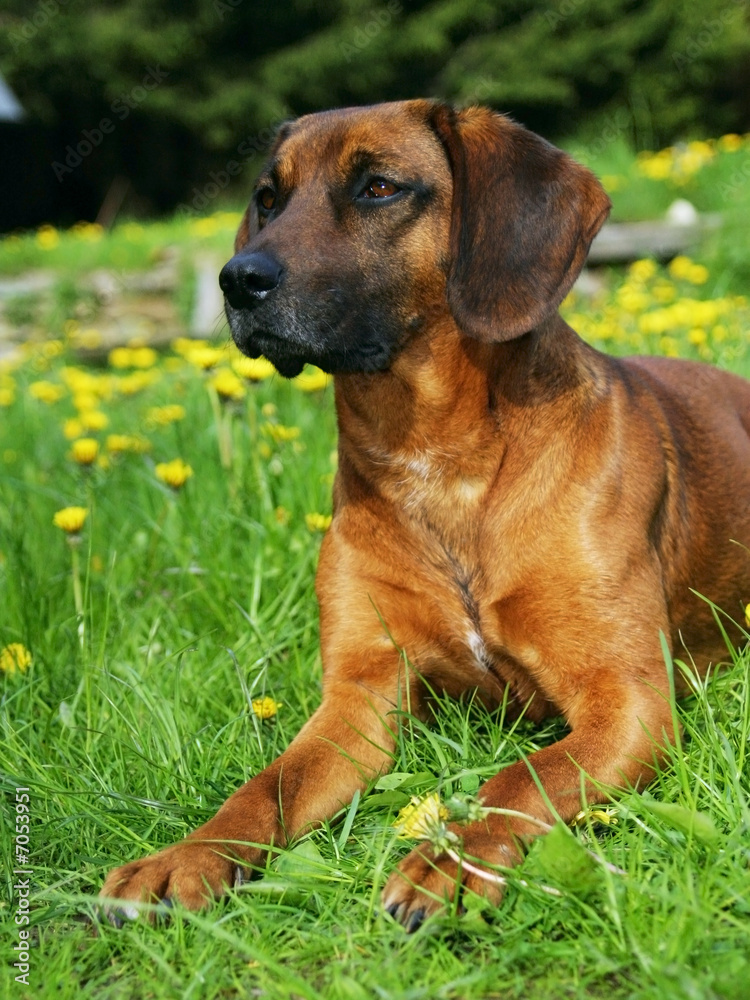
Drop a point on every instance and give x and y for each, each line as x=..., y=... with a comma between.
x=512, y=508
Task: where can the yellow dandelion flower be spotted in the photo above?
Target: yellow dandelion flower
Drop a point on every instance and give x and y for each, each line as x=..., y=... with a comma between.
x=279, y=433
x=143, y=357
x=268, y=409
x=697, y=336
x=184, y=345
x=206, y=358
x=87, y=340
x=85, y=401
x=697, y=275
x=679, y=267
x=85, y=450
x=266, y=708
x=72, y=428
x=312, y=381
x=174, y=474
x=227, y=384
x=70, y=519
x=253, y=369
x=7, y=397
x=318, y=522
x=747, y=615
x=120, y=357
x=14, y=657
x=421, y=817
x=642, y=270
x=94, y=420
x=162, y=416
x=129, y=385
x=47, y=237
x=118, y=443
x=730, y=143
x=46, y=392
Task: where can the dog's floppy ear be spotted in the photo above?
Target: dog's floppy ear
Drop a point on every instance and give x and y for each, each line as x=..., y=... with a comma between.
x=524, y=216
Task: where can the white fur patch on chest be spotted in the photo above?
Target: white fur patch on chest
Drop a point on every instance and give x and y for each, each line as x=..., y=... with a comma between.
x=478, y=649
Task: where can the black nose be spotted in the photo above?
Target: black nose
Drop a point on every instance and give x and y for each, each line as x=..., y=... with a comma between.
x=248, y=278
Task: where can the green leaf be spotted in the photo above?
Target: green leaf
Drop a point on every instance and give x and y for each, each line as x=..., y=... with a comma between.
x=303, y=859
x=688, y=821
x=560, y=858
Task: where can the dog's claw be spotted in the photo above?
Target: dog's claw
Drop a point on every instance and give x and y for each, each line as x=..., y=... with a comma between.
x=415, y=920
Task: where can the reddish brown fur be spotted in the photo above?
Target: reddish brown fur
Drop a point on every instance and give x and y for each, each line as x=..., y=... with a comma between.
x=516, y=508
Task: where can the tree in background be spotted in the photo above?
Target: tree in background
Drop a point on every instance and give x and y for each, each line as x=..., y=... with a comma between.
x=192, y=86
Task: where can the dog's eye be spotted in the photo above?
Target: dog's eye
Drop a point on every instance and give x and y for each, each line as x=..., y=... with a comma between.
x=380, y=188
x=266, y=199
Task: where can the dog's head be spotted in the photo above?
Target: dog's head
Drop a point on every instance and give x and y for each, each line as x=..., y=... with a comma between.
x=369, y=225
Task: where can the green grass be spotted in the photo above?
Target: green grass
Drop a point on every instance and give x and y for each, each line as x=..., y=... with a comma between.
x=194, y=604
x=197, y=602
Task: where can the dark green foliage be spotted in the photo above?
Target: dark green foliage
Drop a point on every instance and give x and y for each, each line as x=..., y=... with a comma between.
x=648, y=70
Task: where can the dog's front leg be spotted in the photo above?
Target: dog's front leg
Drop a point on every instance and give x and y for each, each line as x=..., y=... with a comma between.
x=347, y=742
x=619, y=730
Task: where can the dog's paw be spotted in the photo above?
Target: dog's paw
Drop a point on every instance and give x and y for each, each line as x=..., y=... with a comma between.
x=191, y=874
x=427, y=882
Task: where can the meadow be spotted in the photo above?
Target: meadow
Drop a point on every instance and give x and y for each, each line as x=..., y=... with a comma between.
x=160, y=518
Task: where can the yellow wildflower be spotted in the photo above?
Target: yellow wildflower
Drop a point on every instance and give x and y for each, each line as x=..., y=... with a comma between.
x=268, y=409
x=697, y=336
x=47, y=237
x=175, y=473
x=85, y=401
x=14, y=657
x=7, y=396
x=227, y=384
x=312, y=381
x=730, y=143
x=70, y=519
x=120, y=357
x=117, y=443
x=318, y=522
x=608, y=817
x=72, y=428
x=254, y=369
x=421, y=817
x=143, y=357
x=281, y=433
x=266, y=708
x=679, y=267
x=642, y=270
x=94, y=420
x=697, y=275
x=747, y=615
x=161, y=416
x=46, y=392
x=205, y=358
x=85, y=450
x=88, y=340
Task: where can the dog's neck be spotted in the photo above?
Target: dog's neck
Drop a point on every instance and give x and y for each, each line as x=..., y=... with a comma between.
x=441, y=409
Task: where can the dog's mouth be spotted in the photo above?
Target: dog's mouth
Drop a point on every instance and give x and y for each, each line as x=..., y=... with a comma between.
x=336, y=351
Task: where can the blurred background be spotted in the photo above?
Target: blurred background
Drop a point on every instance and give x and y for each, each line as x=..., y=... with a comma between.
x=138, y=108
